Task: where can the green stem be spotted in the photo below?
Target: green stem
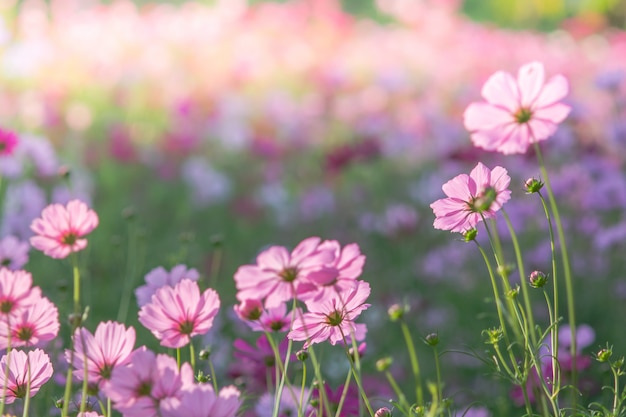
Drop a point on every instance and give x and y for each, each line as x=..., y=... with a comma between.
x=302, y=388
x=438, y=370
x=178, y=358
x=357, y=377
x=569, y=287
x=396, y=388
x=344, y=393
x=192, y=358
x=27, y=398
x=554, y=317
x=76, y=274
x=414, y=363
x=213, y=378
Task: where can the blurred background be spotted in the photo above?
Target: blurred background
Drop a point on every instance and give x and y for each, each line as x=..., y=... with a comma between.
x=203, y=132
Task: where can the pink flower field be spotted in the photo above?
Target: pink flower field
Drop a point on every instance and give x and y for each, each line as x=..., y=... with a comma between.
x=312, y=208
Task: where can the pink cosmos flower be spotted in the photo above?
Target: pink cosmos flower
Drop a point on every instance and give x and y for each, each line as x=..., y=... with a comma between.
x=518, y=112
x=60, y=229
x=201, y=401
x=483, y=191
x=272, y=319
x=8, y=142
x=13, y=253
x=89, y=414
x=177, y=314
x=32, y=325
x=278, y=274
x=255, y=364
x=333, y=318
x=138, y=388
x=16, y=291
x=36, y=365
x=110, y=346
x=338, y=275
x=159, y=277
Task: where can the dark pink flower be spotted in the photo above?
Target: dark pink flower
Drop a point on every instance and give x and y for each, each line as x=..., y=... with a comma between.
x=338, y=275
x=8, y=142
x=333, y=318
x=32, y=325
x=138, y=388
x=275, y=319
x=278, y=274
x=255, y=364
x=482, y=192
x=177, y=314
x=201, y=401
x=60, y=230
x=518, y=112
x=34, y=366
x=110, y=346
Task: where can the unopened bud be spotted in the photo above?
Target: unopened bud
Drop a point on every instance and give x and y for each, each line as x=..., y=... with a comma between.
x=205, y=354
x=383, y=364
x=383, y=412
x=512, y=293
x=396, y=312
x=59, y=403
x=432, y=339
x=533, y=185
x=64, y=172
x=302, y=355
x=360, y=350
x=537, y=279
x=604, y=355
x=470, y=235
x=75, y=320
x=249, y=310
x=494, y=335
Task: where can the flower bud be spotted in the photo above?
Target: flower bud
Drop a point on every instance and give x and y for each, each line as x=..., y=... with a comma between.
x=302, y=355
x=205, y=354
x=383, y=412
x=383, y=364
x=604, y=355
x=512, y=293
x=470, y=235
x=493, y=335
x=396, y=312
x=249, y=310
x=537, y=279
x=432, y=339
x=484, y=201
x=533, y=185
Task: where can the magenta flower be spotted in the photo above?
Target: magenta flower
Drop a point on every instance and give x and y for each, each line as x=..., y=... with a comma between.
x=138, y=388
x=482, y=192
x=34, y=366
x=60, y=229
x=32, y=325
x=110, y=346
x=338, y=275
x=518, y=112
x=278, y=274
x=13, y=253
x=16, y=291
x=333, y=318
x=201, y=401
x=159, y=277
x=8, y=142
x=275, y=319
x=177, y=314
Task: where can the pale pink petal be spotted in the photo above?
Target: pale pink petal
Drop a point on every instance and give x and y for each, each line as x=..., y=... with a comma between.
x=501, y=90
x=554, y=91
x=530, y=79
x=484, y=116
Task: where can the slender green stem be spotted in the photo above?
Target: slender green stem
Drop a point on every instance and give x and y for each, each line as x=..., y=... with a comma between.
x=192, y=357
x=27, y=398
x=83, y=400
x=344, y=393
x=355, y=372
x=396, y=388
x=438, y=370
x=569, y=286
x=178, y=362
x=616, y=390
x=109, y=407
x=554, y=317
x=213, y=377
x=302, y=389
x=76, y=274
x=414, y=363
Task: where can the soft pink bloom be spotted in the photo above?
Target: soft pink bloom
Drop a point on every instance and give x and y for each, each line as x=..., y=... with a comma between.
x=32, y=325
x=8, y=142
x=255, y=364
x=201, y=401
x=278, y=274
x=249, y=310
x=177, y=314
x=333, y=318
x=110, y=346
x=159, y=277
x=19, y=364
x=13, y=253
x=60, y=229
x=138, y=388
x=518, y=112
x=338, y=275
x=483, y=191
x=16, y=291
